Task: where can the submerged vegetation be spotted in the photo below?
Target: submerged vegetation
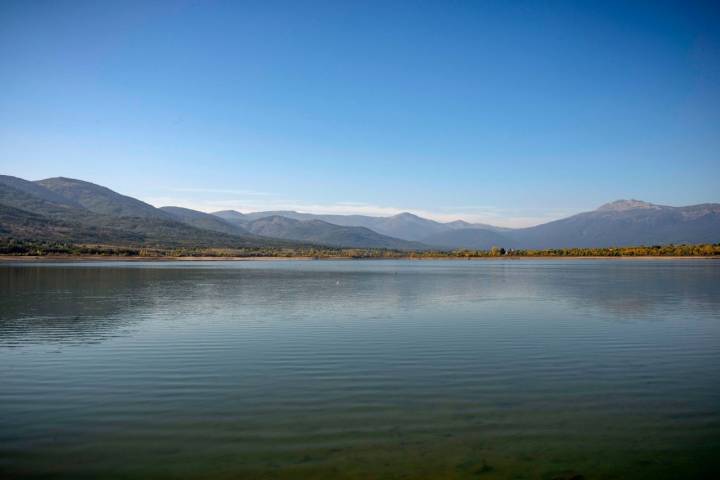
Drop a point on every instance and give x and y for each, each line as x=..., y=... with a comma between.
x=46, y=248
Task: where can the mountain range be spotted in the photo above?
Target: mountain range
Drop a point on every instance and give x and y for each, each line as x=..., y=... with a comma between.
x=619, y=223
x=405, y=225
x=65, y=209
x=623, y=222
x=62, y=209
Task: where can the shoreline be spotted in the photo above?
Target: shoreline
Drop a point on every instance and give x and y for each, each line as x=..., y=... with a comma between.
x=117, y=258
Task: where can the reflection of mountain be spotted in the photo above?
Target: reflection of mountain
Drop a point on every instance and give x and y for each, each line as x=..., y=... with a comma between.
x=51, y=303
x=88, y=303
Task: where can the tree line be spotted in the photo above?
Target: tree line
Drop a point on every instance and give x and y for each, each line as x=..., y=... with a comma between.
x=21, y=247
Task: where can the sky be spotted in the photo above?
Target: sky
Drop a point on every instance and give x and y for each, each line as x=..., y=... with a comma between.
x=510, y=113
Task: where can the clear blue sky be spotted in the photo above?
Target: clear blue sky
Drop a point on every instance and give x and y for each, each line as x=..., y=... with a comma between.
x=508, y=112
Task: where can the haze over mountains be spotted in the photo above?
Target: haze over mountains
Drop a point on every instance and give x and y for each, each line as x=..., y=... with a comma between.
x=623, y=222
x=403, y=225
x=63, y=209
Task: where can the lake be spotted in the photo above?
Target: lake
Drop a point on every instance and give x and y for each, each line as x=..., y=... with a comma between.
x=512, y=369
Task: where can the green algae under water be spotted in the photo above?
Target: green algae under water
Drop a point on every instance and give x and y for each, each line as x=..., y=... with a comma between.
x=577, y=369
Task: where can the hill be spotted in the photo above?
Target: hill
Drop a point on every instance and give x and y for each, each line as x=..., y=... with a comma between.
x=404, y=226
x=204, y=221
x=32, y=212
x=626, y=222
x=324, y=233
x=102, y=200
x=623, y=222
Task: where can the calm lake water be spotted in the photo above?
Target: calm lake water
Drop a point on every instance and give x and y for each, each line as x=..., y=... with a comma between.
x=593, y=369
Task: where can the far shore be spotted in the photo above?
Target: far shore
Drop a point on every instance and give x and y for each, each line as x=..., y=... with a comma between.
x=118, y=258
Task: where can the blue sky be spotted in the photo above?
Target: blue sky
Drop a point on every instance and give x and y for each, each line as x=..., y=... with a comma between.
x=511, y=113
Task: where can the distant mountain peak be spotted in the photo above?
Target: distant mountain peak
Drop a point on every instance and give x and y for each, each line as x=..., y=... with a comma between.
x=622, y=205
x=228, y=212
x=406, y=215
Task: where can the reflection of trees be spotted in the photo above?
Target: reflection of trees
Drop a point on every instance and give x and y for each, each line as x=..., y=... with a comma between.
x=637, y=288
x=87, y=303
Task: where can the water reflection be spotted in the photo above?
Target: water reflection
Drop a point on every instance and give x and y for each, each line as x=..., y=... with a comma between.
x=89, y=302
x=605, y=369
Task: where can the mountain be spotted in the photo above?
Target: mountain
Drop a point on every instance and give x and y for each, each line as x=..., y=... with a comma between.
x=233, y=217
x=30, y=211
x=38, y=191
x=21, y=224
x=470, y=238
x=28, y=196
x=98, y=199
x=626, y=222
x=36, y=215
x=404, y=226
x=204, y=220
x=625, y=205
x=619, y=223
x=324, y=233
x=408, y=226
x=77, y=211
x=65, y=209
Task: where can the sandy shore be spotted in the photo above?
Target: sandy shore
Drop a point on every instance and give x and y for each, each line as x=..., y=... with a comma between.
x=117, y=258
x=100, y=258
